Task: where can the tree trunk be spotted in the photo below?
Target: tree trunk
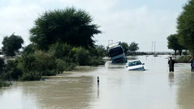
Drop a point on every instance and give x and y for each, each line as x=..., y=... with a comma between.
x=180, y=52
x=175, y=52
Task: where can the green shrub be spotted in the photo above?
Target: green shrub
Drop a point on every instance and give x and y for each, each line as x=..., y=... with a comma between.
x=30, y=76
x=38, y=62
x=30, y=49
x=101, y=51
x=96, y=61
x=81, y=56
x=34, y=63
x=64, y=65
x=60, y=50
x=27, y=62
x=11, y=71
x=45, y=63
x=183, y=59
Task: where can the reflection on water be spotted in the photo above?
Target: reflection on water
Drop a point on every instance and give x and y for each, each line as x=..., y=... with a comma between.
x=118, y=88
x=171, y=78
x=185, y=81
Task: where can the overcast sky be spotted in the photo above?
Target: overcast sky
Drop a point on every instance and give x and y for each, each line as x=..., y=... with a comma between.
x=142, y=21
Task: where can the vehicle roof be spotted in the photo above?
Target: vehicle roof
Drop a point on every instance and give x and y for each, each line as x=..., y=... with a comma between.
x=113, y=46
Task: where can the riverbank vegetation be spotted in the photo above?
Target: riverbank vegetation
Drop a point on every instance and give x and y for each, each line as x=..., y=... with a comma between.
x=60, y=41
x=183, y=59
x=3, y=82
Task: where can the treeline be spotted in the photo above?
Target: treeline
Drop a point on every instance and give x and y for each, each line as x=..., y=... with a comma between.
x=184, y=38
x=60, y=41
x=131, y=48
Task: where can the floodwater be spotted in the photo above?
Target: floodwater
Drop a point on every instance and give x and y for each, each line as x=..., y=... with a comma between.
x=154, y=88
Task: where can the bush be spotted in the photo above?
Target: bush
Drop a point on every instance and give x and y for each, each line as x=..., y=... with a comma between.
x=27, y=62
x=34, y=63
x=96, y=61
x=45, y=63
x=64, y=65
x=37, y=64
x=11, y=71
x=30, y=49
x=2, y=65
x=30, y=76
x=81, y=56
x=98, y=51
x=59, y=50
x=84, y=57
x=183, y=59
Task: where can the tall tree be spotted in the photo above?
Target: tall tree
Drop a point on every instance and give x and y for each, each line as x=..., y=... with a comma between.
x=69, y=26
x=133, y=47
x=125, y=47
x=174, y=44
x=186, y=26
x=12, y=44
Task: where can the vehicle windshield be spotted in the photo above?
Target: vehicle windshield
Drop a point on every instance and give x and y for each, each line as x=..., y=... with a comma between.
x=134, y=63
x=115, y=51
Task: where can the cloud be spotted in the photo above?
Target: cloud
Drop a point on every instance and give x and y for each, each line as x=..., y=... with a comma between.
x=141, y=23
x=18, y=20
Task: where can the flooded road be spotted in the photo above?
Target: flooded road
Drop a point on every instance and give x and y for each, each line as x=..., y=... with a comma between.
x=154, y=88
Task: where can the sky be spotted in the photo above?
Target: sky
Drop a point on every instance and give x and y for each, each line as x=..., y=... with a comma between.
x=140, y=21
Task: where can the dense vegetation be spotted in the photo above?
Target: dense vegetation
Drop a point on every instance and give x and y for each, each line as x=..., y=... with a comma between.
x=61, y=40
x=174, y=44
x=185, y=33
x=131, y=48
x=68, y=26
x=2, y=70
x=186, y=26
x=11, y=45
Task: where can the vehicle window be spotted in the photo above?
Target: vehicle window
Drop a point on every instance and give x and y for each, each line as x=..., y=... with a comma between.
x=116, y=51
x=131, y=63
x=138, y=63
x=134, y=63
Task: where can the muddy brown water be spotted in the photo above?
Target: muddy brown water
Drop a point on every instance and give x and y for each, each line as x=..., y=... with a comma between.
x=154, y=88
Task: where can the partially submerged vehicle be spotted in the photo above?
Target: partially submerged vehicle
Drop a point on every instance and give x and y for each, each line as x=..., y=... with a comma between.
x=116, y=53
x=135, y=65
